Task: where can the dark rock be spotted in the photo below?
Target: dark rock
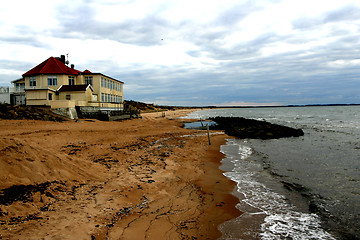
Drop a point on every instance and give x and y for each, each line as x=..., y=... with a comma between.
x=28, y=112
x=250, y=128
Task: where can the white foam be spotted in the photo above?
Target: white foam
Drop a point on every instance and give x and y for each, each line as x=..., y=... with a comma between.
x=281, y=220
x=293, y=225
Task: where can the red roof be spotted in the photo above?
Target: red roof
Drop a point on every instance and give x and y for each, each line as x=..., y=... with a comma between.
x=87, y=71
x=51, y=66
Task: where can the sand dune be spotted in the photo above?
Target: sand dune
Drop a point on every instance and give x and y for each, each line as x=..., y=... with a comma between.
x=136, y=179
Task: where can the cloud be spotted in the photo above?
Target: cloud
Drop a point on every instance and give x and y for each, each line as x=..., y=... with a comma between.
x=81, y=21
x=196, y=52
x=349, y=12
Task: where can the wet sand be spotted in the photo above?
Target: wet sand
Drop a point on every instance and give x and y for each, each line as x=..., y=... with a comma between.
x=136, y=179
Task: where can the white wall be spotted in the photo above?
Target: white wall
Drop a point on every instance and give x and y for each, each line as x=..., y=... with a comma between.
x=4, y=95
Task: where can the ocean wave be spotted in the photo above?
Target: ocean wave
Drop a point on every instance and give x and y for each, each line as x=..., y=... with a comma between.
x=281, y=221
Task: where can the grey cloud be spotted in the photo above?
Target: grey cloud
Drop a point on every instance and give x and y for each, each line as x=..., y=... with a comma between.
x=23, y=40
x=237, y=13
x=349, y=12
x=80, y=22
x=244, y=75
x=20, y=66
x=304, y=23
x=16, y=65
x=23, y=35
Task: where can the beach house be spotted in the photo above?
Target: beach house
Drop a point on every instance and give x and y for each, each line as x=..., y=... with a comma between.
x=53, y=83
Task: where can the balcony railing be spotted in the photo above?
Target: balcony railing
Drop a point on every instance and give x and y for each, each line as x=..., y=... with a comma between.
x=18, y=89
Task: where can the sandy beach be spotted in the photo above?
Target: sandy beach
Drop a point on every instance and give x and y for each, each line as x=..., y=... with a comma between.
x=143, y=178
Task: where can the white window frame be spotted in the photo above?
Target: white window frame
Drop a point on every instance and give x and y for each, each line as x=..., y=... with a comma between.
x=32, y=81
x=52, y=80
x=89, y=80
x=71, y=80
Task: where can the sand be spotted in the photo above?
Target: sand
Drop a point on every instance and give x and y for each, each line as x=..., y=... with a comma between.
x=143, y=178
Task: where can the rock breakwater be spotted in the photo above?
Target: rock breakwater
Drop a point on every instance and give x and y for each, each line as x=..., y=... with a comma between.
x=250, y=128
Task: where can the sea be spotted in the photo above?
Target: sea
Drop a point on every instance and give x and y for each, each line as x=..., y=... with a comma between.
x=295, y=188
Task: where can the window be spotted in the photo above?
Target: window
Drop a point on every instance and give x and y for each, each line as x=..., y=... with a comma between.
x=32, y=81
x=71, y=80
x=89, y=80
x=102, y=82
x=102, y=97
x=20, y=87
x=52, y=81
x=68, y=97
x=50, y=96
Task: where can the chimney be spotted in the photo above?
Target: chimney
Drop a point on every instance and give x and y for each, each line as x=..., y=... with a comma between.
x=72, y=66
x=62, y=58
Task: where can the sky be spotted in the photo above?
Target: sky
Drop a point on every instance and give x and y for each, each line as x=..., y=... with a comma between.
x=195, y=52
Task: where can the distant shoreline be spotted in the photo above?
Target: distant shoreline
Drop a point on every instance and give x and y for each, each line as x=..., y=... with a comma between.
x=280, y=106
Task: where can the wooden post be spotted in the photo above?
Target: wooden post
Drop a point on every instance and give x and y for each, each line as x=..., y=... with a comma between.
x=202, y=125
x=208, y=132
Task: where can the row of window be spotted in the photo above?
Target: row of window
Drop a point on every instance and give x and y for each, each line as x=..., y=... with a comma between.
x=88, y=80
x=110, y=98
x=52, y=80
x=107, y=83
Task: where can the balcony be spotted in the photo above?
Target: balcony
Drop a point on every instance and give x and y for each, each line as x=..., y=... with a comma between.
x=18, y=90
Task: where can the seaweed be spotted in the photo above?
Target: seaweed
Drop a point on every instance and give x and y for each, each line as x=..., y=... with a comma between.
x=21, y=192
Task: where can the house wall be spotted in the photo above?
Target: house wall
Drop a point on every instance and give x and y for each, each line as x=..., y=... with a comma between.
x=42, y=81
x=62, y=104
x=74, y=96
x=81, y=98
x=113, y=99
x=110, y=93
x=38, y=97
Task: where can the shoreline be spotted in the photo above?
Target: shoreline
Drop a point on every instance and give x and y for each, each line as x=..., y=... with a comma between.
x=144, y=178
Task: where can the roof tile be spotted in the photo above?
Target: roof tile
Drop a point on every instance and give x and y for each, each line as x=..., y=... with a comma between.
x=51, y=66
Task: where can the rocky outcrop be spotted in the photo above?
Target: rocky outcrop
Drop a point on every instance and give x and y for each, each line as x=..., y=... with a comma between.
x=27, y=112
x=250, y=128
